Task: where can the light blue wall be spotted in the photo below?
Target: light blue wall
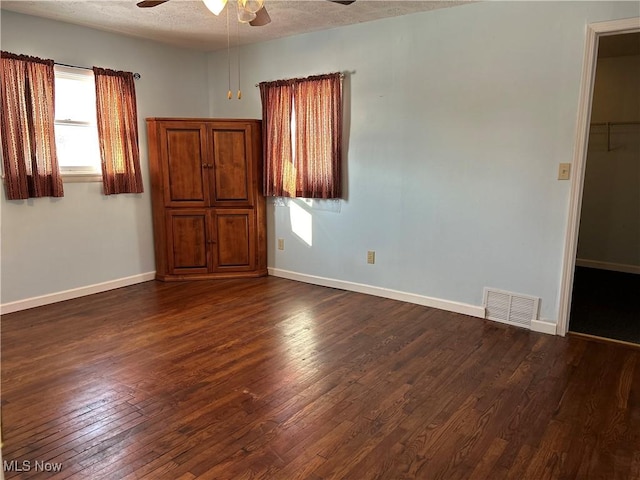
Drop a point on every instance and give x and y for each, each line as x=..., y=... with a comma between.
x=52, y=245
x=458, y=120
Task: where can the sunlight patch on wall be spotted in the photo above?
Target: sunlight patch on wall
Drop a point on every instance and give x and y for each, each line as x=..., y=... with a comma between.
x=321, y=205
x=301, y=222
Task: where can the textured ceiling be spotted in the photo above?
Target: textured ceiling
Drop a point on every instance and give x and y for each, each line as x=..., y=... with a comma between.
x=188, y=23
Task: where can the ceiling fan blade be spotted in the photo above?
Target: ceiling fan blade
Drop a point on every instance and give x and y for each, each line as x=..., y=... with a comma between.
x=343, y=2
x=262, y=18
x=150, y=3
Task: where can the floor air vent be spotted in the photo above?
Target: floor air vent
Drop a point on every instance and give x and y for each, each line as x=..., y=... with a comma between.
x=512, y=308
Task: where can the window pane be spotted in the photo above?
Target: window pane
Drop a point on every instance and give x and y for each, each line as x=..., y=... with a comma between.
x=75, y=99
x=77, y=146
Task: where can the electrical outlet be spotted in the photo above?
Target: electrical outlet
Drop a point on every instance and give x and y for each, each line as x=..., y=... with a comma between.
x=564, y=171
x=281, y=244
x=371, y=257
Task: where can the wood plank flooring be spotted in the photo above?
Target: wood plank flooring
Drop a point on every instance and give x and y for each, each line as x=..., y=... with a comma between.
x=273, y=379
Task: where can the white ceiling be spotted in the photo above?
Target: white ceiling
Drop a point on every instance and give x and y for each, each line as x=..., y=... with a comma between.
x=188, y=23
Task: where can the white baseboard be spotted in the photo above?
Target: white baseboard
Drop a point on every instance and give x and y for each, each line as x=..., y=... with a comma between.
x=74, y=293
x=447, y=305
x=614, y=267
x=543, y=327
x=450, y=306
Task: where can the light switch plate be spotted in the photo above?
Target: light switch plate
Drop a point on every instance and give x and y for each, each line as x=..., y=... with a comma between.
x=564, y=171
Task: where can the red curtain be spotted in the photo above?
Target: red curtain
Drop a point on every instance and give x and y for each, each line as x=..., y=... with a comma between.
x=118, y=131
x=302, y=136
x=279, y=172
x=28, y=137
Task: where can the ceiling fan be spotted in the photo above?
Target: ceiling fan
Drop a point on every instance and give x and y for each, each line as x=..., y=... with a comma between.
x=249, y=11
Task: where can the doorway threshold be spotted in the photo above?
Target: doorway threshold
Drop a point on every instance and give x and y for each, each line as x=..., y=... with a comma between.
x=596, y=338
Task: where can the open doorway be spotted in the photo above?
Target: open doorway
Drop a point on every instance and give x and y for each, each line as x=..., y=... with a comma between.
x=594, y=32
x=606, y=281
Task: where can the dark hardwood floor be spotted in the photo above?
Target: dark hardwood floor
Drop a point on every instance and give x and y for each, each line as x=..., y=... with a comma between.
x=272, y=379
x=605, y=304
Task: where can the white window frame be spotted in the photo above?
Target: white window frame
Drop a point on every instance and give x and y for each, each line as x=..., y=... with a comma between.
x=88, y=173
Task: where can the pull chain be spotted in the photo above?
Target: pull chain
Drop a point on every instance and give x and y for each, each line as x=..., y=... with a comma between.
x=238, y=58
x=229, y=94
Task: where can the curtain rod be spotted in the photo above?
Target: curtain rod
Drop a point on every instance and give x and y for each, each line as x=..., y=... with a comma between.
x=136, y=75
x=303, y=78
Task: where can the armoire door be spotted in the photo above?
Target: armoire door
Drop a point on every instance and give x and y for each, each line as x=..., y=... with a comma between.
x=234, y=245
x=184, y=151
x=188, y=238
x=231, y=177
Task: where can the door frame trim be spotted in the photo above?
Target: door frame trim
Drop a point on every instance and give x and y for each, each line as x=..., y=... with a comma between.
x=594, y=32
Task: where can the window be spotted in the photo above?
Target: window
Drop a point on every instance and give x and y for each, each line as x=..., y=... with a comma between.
x=28, y=144
x=61, y=119
x=302, y=135
x=75, y=121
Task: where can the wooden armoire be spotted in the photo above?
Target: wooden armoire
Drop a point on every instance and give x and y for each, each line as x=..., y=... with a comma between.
x=208, y=210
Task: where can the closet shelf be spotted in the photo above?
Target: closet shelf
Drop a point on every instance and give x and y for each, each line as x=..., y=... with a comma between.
x=609, y=125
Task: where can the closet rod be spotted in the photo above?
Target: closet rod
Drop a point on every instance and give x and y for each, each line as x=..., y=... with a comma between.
x=609, y=125
x=602, y=124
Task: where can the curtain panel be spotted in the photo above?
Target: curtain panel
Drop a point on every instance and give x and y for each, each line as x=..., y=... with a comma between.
x=302, y=136
x=28, y=138
x=118, y=131
x=279, y=172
